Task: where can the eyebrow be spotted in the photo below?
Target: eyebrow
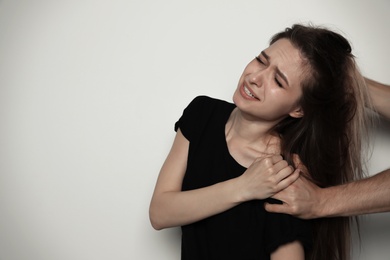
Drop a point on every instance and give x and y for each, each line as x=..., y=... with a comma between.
x=281, y=74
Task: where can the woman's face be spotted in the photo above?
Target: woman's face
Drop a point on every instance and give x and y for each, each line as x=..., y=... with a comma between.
x=270, y=86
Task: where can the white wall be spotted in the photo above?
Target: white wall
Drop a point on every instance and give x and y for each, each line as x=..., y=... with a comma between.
x=89, y=93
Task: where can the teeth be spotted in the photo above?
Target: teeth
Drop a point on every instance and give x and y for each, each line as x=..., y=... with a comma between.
x=248, y=92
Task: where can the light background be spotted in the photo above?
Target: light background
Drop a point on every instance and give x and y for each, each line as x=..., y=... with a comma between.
x=89, y=94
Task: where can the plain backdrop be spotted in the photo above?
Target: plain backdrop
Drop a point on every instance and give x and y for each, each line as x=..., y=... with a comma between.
x=89, y=94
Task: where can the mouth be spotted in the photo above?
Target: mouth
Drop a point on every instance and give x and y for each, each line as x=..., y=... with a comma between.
x=248, y=93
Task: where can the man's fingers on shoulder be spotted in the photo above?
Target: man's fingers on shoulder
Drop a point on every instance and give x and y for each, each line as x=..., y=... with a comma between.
x=276, y=208
x=296, y=160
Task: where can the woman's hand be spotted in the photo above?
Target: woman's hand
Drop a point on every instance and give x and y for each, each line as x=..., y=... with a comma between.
x=265, y=177
x=301, y=198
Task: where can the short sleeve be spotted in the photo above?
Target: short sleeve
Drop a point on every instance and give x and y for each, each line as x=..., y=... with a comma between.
x=282, y=229
x=190, y=121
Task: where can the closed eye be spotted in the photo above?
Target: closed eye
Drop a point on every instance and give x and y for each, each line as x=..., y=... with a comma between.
x=276, y=79
x=259, y=60
x=278, y=83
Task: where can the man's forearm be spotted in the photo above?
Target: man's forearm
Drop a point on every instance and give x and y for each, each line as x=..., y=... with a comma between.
x=371, y=195
x=380, y=97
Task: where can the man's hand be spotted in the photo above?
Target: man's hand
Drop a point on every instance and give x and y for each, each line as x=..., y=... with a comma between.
x=300, y=199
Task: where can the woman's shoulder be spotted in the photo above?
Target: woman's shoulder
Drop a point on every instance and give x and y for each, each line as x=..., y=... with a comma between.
x=202, y=112
x=204, y=101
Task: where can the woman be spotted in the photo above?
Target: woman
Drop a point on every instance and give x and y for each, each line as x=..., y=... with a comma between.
x=302, y=95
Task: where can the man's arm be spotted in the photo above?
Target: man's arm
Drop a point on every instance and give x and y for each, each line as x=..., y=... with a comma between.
x=380, y=97
x=306, y=200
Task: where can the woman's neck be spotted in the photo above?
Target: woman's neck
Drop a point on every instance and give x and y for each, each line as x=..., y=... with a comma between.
x=253, y=134
x=248, y=129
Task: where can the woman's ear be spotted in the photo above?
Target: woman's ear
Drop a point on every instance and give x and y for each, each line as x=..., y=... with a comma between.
x=297, y=113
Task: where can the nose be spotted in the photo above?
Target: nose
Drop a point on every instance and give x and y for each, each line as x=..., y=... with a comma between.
x=256, y=78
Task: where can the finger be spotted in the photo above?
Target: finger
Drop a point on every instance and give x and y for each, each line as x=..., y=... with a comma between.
x=281, y=165
x=298, y=164
x=282, y=170
x=280, y=196
x=276, y=158
x=288, y=180
x=277, y=208
x=296, y=160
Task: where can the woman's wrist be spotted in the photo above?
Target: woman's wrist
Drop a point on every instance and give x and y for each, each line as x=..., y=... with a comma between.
x=240, y=193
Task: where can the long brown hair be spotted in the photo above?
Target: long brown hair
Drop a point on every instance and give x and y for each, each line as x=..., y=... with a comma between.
x=329, y=138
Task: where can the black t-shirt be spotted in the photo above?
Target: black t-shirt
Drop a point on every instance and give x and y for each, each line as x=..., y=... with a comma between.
x=243, y=232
